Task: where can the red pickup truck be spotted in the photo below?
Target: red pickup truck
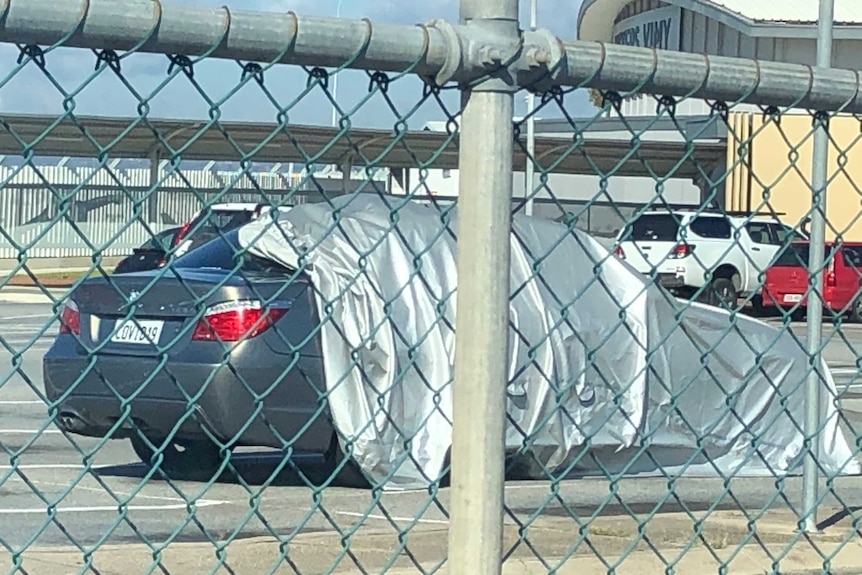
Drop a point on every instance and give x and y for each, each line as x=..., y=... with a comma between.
x=787, y=285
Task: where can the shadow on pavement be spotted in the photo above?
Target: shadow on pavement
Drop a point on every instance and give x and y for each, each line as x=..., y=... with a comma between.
x=256, y=468
x=273, y=468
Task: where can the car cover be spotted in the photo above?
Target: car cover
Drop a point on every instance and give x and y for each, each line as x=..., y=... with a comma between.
x=608, y=373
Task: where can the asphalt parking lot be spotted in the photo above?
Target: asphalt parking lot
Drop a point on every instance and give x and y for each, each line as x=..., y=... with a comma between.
x=57, y=489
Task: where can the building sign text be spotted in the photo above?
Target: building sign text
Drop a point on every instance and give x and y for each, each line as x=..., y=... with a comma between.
x=659, y=29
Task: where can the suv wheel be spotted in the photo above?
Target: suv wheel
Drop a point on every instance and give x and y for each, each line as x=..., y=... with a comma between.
x=856, y=310
x=722, y=293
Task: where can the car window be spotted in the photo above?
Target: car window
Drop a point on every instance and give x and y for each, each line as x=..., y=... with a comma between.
x=224, y=252
x=220, y=221
x=785, y=234
x=792, y=255
x=161, y=241
x=654, y=228
x=208, y=226
x=711, y=227
x=760, y=233
x=852, y=256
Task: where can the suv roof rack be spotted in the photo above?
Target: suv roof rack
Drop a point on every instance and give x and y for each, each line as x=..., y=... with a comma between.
x=715, y=210
x=750, y=213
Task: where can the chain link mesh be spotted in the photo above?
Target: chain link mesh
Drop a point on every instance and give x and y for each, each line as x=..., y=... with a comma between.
x=216, y=404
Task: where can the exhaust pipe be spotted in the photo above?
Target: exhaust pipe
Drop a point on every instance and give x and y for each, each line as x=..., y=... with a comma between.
x=72, y=422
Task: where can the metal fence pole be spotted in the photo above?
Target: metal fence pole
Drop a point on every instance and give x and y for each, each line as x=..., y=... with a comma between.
x=482, y=327
x=816, y=257
x=530, y=169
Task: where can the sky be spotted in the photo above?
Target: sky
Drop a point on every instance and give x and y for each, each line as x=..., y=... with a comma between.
x=31, y=90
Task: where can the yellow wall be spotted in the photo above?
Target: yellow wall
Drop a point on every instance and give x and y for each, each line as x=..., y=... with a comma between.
x=776, y=170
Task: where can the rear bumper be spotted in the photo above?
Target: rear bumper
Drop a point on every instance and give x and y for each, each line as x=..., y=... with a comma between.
x=239, y=405
x=790, y=299
x=670, y=280
x=774, y=298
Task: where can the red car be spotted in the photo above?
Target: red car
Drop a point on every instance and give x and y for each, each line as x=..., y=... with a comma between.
x=787, y=286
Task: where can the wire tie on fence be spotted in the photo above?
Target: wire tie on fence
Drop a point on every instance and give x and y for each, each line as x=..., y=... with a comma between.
x=252, y=69
x=110, y=58
x=33, y=51
x=381, y=80
x=613, y=98
x=774, y=113
x=182, y=62
x=721, y=108
x=555, y=93
x=668, y=103
x=820, y=119
x=429, y=88
x=320, y=75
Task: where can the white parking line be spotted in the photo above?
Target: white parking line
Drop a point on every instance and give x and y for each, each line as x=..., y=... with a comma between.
x=23, y=317
x=37, y=466
x=28, y=431
x=111, y=508
x=33, y=466
x=845, y=371
x=120, y=494
x=22, y=402
x=398, y=519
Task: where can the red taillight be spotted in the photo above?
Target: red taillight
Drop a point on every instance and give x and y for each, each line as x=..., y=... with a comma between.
x=70, y=318
x=236, y=321
x=182, y=233
x=681, y=250
x=829, y=278
x=620, y=252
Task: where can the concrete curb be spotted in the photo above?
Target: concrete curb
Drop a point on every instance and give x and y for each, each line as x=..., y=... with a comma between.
x=620, y=540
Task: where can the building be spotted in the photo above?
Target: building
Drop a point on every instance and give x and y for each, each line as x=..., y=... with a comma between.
x=774, y=169
x=601, y=205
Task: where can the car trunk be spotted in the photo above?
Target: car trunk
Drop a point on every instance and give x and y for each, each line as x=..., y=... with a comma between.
x=787, y=278
x=650, y=242
x=165, y=310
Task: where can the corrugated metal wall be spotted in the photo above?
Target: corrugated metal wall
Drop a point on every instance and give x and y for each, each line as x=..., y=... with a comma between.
x=701, y=35
x=57, y=211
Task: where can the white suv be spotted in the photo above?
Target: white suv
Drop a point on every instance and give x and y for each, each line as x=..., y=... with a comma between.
x=714, y=256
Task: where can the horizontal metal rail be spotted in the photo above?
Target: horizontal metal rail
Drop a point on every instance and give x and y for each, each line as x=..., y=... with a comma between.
x=162, y=27
x=440, y=50
x=702, y=76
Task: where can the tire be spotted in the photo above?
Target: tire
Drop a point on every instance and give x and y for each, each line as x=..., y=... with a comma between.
x=722, y=293
x=350, y=475
x=757, y=307
x=200, y=458
x=856, y=310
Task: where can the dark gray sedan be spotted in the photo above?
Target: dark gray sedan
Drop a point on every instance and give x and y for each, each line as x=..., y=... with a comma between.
x=218, y=351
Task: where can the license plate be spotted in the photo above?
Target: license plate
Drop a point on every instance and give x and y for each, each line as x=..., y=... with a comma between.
x=793, y=298
x=138, y=332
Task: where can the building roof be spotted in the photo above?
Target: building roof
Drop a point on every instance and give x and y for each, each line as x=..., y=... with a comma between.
x=790, y=11
x=765, y=18
x=88, y=136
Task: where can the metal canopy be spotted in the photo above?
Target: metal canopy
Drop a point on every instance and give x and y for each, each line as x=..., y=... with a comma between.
x=91, y=136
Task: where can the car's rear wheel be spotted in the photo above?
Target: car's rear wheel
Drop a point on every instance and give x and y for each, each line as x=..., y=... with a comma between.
x=188, y=458
x=349, y=475
x=722, y=293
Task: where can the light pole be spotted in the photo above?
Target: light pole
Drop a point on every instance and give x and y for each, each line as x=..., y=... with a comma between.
x=529, y=175
x=335, y=76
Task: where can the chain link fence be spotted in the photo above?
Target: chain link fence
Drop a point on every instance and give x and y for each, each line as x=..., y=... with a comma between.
x=275, y=385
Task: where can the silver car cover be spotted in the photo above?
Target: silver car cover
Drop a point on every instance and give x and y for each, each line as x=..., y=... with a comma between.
x=682, y=388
